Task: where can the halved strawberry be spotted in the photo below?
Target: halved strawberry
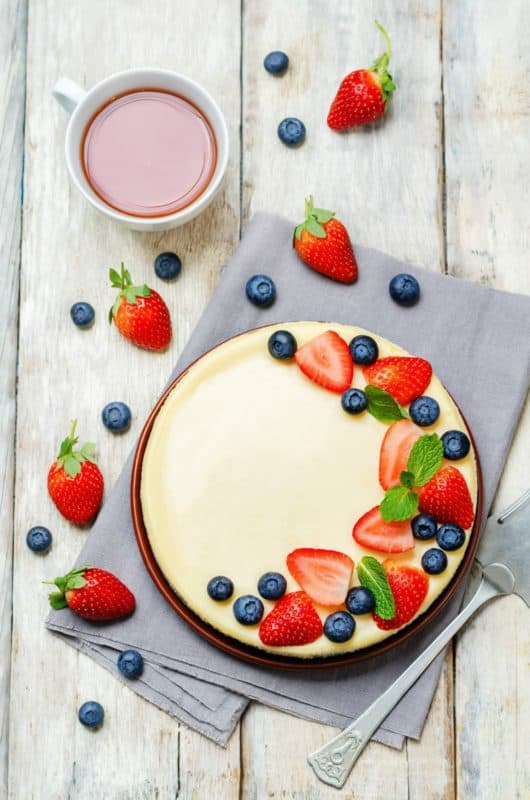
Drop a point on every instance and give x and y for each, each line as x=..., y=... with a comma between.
x=447, y=498
x=395, y=450
x=409, y=587
x=292, y=621
x=371, y=531
x=325, y=575
x=326, y=360
x=404, y=377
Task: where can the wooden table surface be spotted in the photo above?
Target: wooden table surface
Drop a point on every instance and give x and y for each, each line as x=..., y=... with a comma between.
x=444, y=182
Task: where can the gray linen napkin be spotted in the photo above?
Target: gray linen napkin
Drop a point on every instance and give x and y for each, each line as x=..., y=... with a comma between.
x=478, y=340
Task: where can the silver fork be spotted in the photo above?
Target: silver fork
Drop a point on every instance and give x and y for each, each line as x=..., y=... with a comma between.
x=333, y=762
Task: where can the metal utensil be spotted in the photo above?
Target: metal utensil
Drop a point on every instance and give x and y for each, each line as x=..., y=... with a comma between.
x=503, y=559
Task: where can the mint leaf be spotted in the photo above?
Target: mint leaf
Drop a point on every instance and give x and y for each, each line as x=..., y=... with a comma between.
x=372, y=575
x=382, y=405
x=407, y=479
x=399, y=504
x=425, y=458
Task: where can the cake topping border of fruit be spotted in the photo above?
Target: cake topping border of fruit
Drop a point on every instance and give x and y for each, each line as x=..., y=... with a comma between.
x=422, y=500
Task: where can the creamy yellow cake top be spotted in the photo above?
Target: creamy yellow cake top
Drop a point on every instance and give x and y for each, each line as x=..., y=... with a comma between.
x=248, y=460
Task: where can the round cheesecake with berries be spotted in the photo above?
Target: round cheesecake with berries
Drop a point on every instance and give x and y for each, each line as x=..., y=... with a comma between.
x=309, y=488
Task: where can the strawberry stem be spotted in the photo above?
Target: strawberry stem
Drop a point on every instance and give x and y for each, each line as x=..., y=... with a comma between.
x=387, y=40
x=69, y=457
x=72, y=580
x=380, y=67
x=315, y=219
x=122, y=280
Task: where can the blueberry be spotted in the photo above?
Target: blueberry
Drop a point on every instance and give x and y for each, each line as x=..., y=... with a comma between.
x=450, y=536
x=339, y=627
x=82, y=314
x=39, y=539
x=404, y=289
x=282, y=344
x=364, y=350
x=424, y=527
x=291, y=131
x=130, y=663
x=220, y=588
x=167, y=266
x=354, y=401
x=272, y=585
x=434, y=561
x=360, y=600
x=116, y=416
x=91, y=714
x=456, y=445
x=424, y=410
x=276, y=62
x=261, y=290
x=248, y=609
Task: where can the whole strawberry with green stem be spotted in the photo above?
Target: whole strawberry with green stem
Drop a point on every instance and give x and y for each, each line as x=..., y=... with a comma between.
x=75, y=482
x=364, y=94
x=323, y=243
x=139, y=312
x=92, y=593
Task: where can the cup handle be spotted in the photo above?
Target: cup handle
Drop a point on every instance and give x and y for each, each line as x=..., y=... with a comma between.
x=68, y=94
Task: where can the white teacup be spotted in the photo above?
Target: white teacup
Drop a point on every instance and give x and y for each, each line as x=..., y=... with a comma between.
x=84, y=104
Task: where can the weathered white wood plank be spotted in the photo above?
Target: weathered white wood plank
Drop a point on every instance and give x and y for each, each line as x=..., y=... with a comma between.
x=12, y=82
x=383, y=182
x=488, y=192
x=486, y=66
x=65, y=373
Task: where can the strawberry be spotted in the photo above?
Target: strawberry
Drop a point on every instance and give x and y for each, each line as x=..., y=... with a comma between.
x=363, y=95
x=447, y=498
x=409, y=587
x=92, y=593
x=139, y=313
x=395, y=450
x=371, y=531
x=324, y=575
x=75, y=482
x=322, y=243
x=292, y=621
x=326, y=360
x=404, y=377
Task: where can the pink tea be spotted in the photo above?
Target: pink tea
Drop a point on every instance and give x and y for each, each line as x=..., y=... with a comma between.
x=148, y=153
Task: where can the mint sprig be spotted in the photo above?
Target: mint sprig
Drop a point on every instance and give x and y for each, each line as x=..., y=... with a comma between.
x=401, y=502
x=383, y=406
x=373, y=576
x=425, y=458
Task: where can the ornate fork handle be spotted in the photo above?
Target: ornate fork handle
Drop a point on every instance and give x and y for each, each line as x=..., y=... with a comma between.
x=333, y=762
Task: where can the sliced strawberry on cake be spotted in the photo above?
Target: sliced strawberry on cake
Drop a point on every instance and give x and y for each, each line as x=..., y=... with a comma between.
x=409, y=588
x=404, y=377
x=447, y=498
x=371, y=531
x=292, y=621
x=326, y=360
x=325, y=575
x=395, y=451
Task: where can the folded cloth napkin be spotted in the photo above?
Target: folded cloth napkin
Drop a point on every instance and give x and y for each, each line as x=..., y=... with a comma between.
x=478, y=340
